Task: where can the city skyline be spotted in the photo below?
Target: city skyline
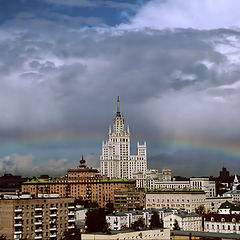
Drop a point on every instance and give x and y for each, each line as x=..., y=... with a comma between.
x=173, y=64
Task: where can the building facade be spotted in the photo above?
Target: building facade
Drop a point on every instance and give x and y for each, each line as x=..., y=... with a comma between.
x=116, y=160
x=185, y=200
x=185, y=221
x=81, y=183
x=36, y=218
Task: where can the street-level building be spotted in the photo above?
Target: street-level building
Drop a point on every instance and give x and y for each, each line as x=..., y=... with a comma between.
x=116, y=160
x=186, y=200
x=185, y=221
x=222, y=223
x=36, y=218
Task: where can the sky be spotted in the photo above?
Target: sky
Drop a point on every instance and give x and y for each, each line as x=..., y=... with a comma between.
x=174, y=64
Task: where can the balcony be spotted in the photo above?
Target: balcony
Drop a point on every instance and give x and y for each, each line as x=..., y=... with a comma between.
x=38, y=237
x=71, y=207
x=38, y=216
x=18, y=210
x=71, y=214
x=38, y=209
x=18, y=218
x=53, y=215
x=17, y=225
x=53, y=229
x=53, y=236
x=71, y=227
x=18, y=232
x=38, y=223
x=71, y=220
x=38, y=230
x=53, y=208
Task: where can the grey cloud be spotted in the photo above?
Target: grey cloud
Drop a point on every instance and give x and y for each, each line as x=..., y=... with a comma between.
x=69, y=83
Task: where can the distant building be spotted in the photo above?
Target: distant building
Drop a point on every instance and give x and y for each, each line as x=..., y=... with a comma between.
x=152, y=178
x=213, y=203
x=11, y=183
x=116, y=161
x=235, y=192
x=185, y=200
x=36, y=218
x=204, y=184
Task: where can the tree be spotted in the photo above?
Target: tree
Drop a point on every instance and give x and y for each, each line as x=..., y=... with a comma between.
x=200, y=210
x=96, y=220
x=176, y=225
x=139, y=224
x=72, y=235
x=2, y=237
x=156, y=221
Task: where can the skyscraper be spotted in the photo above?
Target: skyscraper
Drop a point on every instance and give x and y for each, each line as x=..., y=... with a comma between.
x=116, y=161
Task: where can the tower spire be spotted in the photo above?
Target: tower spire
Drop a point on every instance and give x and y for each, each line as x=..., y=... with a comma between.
x=118, y=107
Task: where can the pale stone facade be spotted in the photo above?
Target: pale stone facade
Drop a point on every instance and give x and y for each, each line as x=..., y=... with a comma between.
x=178, y=199
x=160, y=234
x=116, y=161
x=151, y=178
x=204, y=184
x=186, y=221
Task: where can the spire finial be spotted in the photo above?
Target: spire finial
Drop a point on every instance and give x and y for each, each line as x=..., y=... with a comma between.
x=118, y=105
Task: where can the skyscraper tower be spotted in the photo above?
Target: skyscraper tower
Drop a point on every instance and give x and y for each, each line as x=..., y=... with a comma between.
x=116, y=161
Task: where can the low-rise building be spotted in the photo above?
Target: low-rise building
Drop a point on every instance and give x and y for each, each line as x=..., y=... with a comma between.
x=160, y=234
x=213, y=203
x=185, y=221
x=128, y=199
x=36, y=218
x=123, y=220
x=222, y=223
x=186, y=200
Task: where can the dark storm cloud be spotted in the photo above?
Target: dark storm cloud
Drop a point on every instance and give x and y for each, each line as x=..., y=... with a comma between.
x=171, y=83
x=70, y=72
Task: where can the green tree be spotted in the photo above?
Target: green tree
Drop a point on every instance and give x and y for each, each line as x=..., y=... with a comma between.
x=156, y=221
x=72, y=235
x=96, y=220
x=138, y=225
x=176, y=225
x=2, y=237
x=200, y=210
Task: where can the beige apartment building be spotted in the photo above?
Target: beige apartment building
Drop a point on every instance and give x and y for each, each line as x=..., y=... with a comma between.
x=186, y=200
x=36, y=218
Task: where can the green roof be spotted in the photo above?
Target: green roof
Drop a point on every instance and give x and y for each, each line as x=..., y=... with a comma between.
x=38, y=181
x=118, y=180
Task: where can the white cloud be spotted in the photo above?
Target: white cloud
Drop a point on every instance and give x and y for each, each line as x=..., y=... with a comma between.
x=198, y=14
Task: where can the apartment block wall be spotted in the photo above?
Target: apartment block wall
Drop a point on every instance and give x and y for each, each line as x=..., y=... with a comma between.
x=41, y=218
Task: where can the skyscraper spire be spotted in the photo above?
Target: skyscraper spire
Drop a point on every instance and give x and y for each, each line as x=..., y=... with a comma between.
x=118, y=114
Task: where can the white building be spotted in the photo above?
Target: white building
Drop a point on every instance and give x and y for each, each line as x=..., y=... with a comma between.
x=234, y=193
x=116, y=161
x=204, y=184
x=123, y=220
x=185, y=221
x=151, y=178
